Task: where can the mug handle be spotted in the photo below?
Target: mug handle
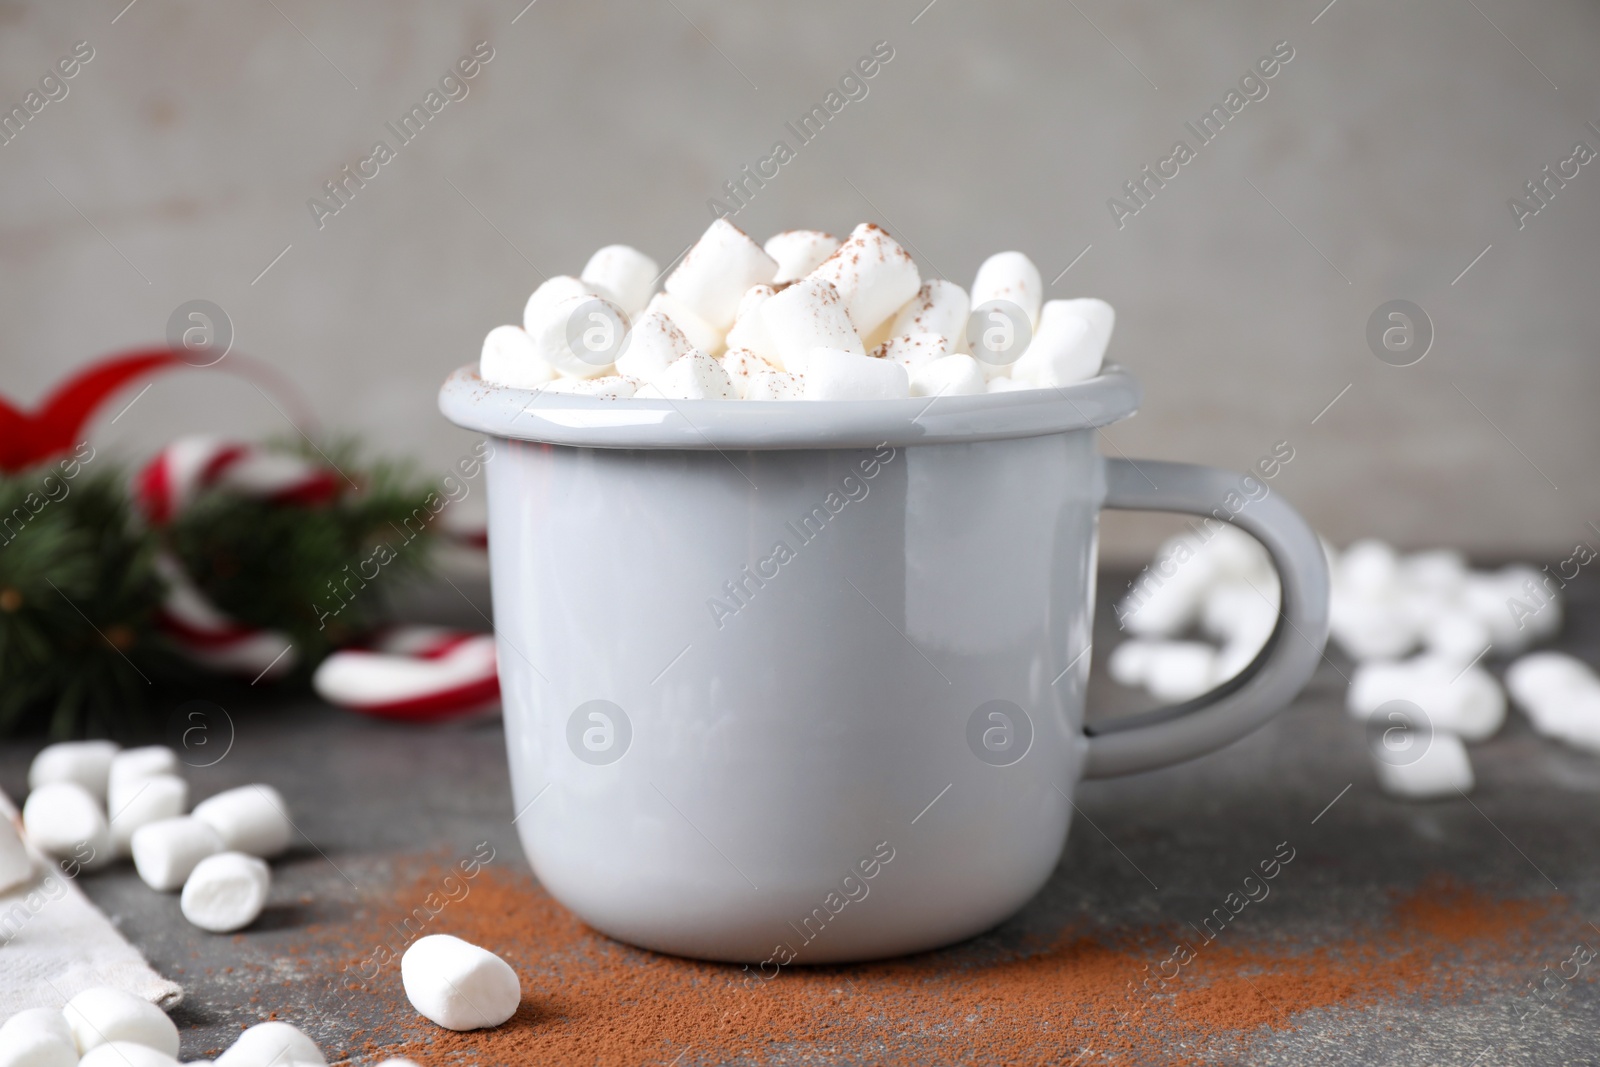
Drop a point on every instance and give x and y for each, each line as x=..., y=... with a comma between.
x=1170, y=735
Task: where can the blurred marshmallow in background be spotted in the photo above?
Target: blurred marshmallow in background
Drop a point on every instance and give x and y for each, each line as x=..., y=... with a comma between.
x=1420, y=628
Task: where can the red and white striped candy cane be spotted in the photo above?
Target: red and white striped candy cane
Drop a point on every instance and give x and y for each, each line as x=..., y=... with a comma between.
x=406, y=672
x=171, y=483
x=413, y=672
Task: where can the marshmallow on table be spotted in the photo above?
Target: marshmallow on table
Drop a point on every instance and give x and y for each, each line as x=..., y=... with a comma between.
x=1541, y=679
x=1168, y=594
x=1012, y=277
x=701, y=334
x=1370, y=627
x=136, y=764
x=272, y=1044
x=1456, y=635
x=809, y=314
x=749, y=328
x=104, y=1014
x=509, y=357
x=459, y=985
x=1179, y=670
x=653, y=343
x=1069, y=345
x=37, y=1037
x=16, y=866
x=1442, y=570
x=693, y=377
x=838, y=374
x=714, y=274
x=166, y=852
x=914, y=350
x=1440, y=770
x=594, y=322
x=87, y=763
x=551, y=292
x=127, y=1054
x=1129, y=663
x=1468, y=703
x=251, y=819
x=875, y=277
x=626, y=273
x=608, y=387
x=226, y=892
x=799, y=252
x=954, y=375
x=135, y=802
x=940, y=307
x=1369, y=567
x=62, y=818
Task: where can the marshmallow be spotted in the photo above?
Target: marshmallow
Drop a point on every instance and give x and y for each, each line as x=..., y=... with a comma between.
x=251, y=819
x=136, y=764
x=1440, y=771
x=715, y=273
x=1161, y=605
x=16, y=866
x=626, y=273
x=701, y=334
x=1236, y=611
x=37, y=1037
x=799, y=252
x=807, y=315
x=1069, y=345
x=1542, y=679
x=743, y=367
x=551, y=292
x=226, y=892
x=609, y=387
x=914, y=350
x=1130, y=663
x=838, y=374
x=955, y=375
x=510, y=358
x=693, y=377
x=1012, y=277
x=1369, y=567
x=654, y=342
x=1370, y=627
x=272, y=1044
x=64, y=821
x=749, y=328
x=940, y=307
x=1573, y=719
x=580, y=336
x=1005, y=385
x=1468, y=703
x=166, y=852
x=103, y=1014
x=775, y=385
x=1456, y=636
x=873, y=274
x=1179, y=670
x=127, y=1054
x=1441, y=570
x=138, y=802
x=459, y=985
x=86, y=762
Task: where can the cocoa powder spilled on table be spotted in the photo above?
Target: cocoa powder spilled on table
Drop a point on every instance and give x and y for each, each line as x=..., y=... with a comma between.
x=591, y=1000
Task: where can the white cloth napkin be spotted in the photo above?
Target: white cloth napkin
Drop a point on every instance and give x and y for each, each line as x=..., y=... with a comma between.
x=54, y=944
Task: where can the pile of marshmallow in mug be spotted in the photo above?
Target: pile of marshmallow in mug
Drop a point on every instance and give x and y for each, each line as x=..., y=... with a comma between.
x=1419, y=627
x=803, y=317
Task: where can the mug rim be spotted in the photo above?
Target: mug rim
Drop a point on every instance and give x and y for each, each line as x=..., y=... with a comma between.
x=541, y=417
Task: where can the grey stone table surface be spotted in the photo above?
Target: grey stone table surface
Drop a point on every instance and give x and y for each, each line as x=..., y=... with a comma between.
x=1164, y=847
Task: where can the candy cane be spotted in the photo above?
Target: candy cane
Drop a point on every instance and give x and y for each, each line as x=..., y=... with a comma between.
x=408, y=672
x=413, y=672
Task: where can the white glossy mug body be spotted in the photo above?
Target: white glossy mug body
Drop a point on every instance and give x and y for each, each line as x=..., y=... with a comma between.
x=801, y=682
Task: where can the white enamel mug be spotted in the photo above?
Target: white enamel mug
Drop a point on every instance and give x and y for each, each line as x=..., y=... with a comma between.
x=803, y=682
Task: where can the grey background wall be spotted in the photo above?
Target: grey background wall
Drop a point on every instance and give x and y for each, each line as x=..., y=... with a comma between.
x=1378, y=166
